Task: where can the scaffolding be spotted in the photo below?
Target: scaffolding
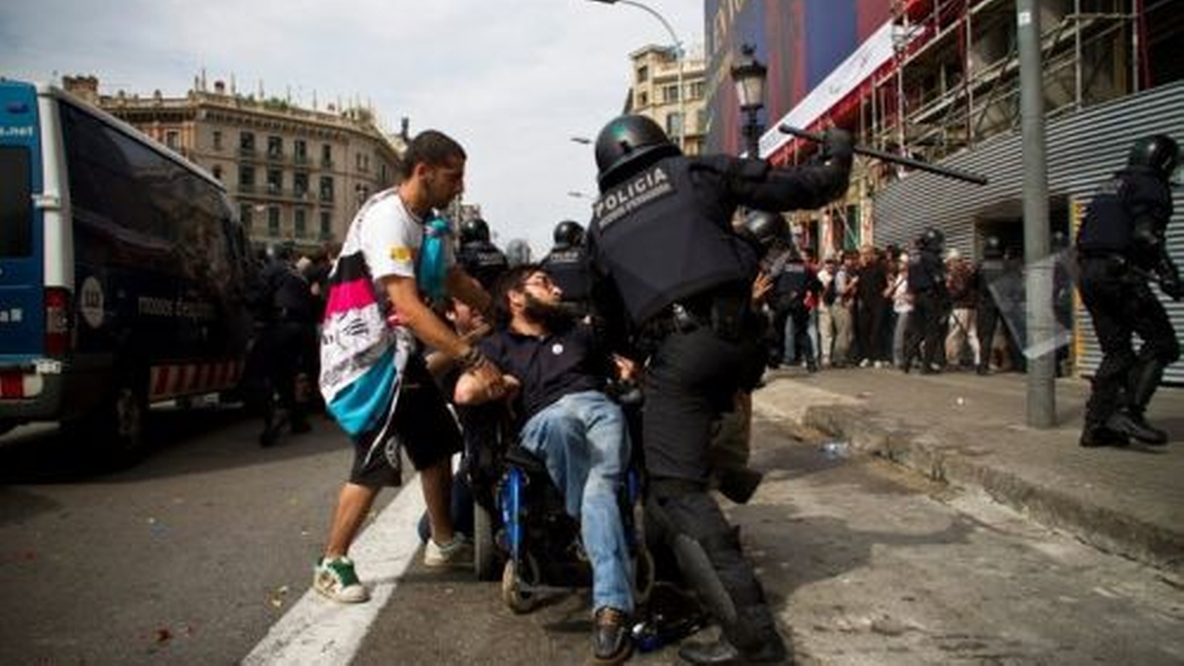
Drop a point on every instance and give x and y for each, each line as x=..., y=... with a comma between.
x=954, y=79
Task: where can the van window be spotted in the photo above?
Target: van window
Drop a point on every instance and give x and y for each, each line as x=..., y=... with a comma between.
x=16, y=203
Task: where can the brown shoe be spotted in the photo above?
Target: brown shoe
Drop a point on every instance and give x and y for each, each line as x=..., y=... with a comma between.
x=611, y=643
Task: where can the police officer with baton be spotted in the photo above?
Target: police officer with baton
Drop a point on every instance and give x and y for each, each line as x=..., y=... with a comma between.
x=675, y=279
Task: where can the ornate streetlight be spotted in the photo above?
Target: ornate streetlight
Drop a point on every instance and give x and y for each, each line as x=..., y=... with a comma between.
x=749, y=75
x=679, y=59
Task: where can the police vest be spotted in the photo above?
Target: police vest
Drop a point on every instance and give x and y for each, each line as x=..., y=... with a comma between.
x=569, y=269
x=925, y=272
x=1107, y=223
x=659, y=244
x=484, y=261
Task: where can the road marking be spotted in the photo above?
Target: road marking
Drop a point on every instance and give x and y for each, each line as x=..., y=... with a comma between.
x=318, y=631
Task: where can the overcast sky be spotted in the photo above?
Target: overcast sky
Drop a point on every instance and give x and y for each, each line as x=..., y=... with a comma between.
x=512, y=80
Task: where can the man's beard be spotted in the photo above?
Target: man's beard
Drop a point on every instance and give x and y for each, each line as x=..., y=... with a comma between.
x=551, y=315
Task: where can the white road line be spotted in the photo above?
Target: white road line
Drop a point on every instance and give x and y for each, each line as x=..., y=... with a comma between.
x=317, y=631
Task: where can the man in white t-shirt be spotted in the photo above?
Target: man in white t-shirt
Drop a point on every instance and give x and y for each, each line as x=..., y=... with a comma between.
x=389, y=230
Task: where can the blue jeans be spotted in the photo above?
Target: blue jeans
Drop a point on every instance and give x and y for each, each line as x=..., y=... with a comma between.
x=584, y=441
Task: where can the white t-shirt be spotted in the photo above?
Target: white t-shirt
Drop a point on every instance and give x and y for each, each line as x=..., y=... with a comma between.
x=389, y=236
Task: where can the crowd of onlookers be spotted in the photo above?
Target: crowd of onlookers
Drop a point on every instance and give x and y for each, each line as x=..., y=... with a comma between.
x=858, y=309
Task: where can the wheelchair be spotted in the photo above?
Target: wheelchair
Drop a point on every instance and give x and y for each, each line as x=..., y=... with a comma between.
x=520, y=523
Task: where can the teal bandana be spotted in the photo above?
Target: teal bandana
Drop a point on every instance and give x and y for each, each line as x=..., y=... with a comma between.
x=432, y=265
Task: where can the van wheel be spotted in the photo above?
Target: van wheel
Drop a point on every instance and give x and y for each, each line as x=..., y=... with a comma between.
x=118, y=423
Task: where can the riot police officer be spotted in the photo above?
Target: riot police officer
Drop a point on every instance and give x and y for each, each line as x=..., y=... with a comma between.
x=1120, y=248
x=478, y=255
x=987, y=316
x=792, y=281
x=567, y=264
x=666, y=258
x=927, y=282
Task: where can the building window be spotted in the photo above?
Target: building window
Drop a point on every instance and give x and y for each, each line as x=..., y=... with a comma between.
x=670, y=93
x=246, y=143
x=275, y=181
x=273, y=221
x=326, y=225
x=643, y=73
x=172, y=139
x=246, y=178
x=326, y=155
x=217, y=140
x=300, y=151
x=673, y=125
x=275, y=147
x=217, y=171
x=698, y=89
x=643, y=100
x=326, y=188
x=301, y=222
x=247, y=215
x=300, y=184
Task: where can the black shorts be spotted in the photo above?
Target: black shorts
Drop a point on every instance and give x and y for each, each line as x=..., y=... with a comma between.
x=423, y=426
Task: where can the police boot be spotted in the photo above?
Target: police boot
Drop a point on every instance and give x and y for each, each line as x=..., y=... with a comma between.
x=1142, y=383
x=752, y=639
x=1095, y=435
x=1133, y=425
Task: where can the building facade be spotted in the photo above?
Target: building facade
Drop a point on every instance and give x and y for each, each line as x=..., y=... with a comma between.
x=656, y=93
x=297, y=175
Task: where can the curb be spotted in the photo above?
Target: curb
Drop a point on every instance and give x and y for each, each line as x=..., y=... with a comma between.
x=1112, y=531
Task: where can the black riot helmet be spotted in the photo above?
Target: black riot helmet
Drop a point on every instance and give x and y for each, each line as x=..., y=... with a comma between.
x=767, y=228
x=474, y=230
x=568, y=234
x=992, y=248
x=932, y=239
x=627, y=144
x=1158, y=151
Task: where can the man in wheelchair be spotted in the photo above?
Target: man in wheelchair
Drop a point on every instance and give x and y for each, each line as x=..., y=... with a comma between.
x=556, y=375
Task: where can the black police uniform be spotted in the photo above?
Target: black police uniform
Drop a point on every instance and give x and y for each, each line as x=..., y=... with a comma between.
x=289, y=344
x=1120, y=245
x=989, y=271
x=569, y=268
x=667, y=260
x=482, y=260
x=927, y=283
x=793, y=280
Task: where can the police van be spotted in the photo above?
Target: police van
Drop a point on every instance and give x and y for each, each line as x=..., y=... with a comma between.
x=124, y=272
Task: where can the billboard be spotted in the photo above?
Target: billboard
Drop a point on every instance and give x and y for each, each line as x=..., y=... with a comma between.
x=801, y=42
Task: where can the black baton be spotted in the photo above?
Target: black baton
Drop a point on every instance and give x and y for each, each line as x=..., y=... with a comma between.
x=889, y=157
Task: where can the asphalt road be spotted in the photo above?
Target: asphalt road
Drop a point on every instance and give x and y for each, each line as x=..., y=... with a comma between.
x=195, y=555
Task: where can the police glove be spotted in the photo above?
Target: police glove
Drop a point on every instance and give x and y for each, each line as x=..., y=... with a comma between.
x=837, y=144
x=1170, y=284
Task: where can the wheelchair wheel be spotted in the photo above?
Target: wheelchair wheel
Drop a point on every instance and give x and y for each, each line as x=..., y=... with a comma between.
x=520, y=600
x=644, y=575
x=484, y=548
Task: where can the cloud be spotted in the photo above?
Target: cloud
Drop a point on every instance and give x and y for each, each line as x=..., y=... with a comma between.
x=513, y=80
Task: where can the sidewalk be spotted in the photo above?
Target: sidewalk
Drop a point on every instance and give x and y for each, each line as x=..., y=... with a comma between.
x=971, y=431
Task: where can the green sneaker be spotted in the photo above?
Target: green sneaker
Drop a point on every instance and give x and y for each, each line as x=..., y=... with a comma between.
x=337, y=580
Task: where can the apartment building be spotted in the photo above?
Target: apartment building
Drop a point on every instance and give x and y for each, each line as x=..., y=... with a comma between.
x=296, y=174
x=656, y=93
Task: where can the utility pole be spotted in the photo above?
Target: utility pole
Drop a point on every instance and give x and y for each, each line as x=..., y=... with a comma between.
x=1039, y=267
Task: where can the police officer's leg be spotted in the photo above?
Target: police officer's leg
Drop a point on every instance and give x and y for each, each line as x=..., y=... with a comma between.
x=1160, y=349
x=1103, y=298
x=709, y=555
x=988, y=314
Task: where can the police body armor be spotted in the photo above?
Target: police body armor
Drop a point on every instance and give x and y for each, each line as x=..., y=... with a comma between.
x=570, y=270
x=660, y=244
x=925, y=272
x=1109, y=225
x=484, y=261
x=790, y=285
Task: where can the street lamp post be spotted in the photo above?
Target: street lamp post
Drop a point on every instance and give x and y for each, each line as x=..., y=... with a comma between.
x=749, y=76
x=678, y=58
